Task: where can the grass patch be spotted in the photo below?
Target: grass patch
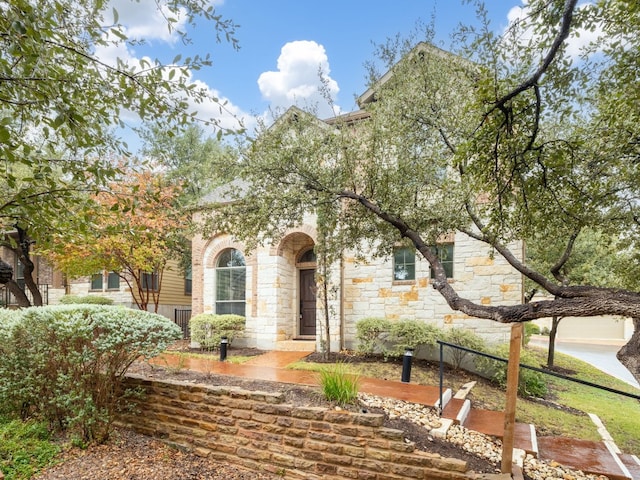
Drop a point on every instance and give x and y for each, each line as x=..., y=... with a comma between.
x=25, y=448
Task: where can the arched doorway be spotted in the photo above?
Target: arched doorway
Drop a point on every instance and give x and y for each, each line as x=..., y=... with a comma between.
x=307, y=291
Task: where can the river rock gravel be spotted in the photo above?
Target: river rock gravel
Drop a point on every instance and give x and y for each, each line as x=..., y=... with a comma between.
x=473, y=442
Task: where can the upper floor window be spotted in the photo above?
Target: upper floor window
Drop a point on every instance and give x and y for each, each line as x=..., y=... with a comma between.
x=445, y=253
x=230, y=282
x=404, y=263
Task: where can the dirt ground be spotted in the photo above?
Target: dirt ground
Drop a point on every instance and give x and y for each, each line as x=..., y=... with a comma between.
x=131, y=456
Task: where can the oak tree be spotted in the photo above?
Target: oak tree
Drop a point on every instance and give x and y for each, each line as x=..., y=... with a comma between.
x=510, y=139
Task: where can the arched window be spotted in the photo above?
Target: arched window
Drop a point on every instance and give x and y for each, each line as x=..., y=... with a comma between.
x=230, y=283
x=308, y=257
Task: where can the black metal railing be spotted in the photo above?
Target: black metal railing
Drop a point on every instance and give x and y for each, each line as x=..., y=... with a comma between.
x=7, y=299
x=522, y=365
x=182, y=317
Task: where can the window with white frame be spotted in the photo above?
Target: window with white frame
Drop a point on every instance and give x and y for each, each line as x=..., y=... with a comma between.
x=230, y=283
x=404, y=264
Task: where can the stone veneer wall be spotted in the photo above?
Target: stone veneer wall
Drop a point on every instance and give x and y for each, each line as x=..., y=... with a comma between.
x=257, y=431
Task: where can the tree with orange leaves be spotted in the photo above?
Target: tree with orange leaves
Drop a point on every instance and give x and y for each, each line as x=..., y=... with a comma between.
x=136, y=228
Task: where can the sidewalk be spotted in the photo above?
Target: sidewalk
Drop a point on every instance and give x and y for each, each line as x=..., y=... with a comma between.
x=597, y=458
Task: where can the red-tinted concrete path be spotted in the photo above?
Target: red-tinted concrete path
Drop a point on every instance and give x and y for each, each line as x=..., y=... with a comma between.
x=590, y=457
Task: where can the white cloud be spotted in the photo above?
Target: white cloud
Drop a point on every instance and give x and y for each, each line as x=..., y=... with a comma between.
x=578, y=40
x=297, y=80
x=147, y=19
x=142, y=20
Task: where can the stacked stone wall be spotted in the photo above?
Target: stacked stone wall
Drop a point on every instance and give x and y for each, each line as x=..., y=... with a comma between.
x=258, y=431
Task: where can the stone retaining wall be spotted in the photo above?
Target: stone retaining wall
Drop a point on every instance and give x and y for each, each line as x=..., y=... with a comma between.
x=260, y=432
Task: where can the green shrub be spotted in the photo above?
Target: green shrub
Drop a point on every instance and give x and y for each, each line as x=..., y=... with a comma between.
x=85, y=299
x=463, y=338
x=414, y=334
x=25, y=448
x=530, y=383
x=207, y=329
x=530, y=329
x=370, y=333
x=64, y=363
x=338, y=385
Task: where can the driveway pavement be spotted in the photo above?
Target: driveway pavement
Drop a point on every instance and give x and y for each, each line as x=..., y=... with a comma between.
x=600, y=356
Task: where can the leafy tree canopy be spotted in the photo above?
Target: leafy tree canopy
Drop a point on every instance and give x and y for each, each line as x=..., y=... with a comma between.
x=515, y=137
x=136, y=229
x=60, y=101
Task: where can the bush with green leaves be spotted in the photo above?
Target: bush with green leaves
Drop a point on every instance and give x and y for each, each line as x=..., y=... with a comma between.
x=530, y=328
x=338, y=385
x=530, y=382
x=64, y=363
x=414, y=334
x=370, y=334
x=207, y=329
x=85, y=299
x=462, y=337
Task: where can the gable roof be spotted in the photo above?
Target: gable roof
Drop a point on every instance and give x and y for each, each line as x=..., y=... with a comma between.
x=422, y=48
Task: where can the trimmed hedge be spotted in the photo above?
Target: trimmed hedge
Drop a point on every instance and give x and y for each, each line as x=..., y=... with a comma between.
x=85, y=299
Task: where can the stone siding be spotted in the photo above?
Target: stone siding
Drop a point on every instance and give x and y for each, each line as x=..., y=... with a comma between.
x=258, y=431
x=357, y=289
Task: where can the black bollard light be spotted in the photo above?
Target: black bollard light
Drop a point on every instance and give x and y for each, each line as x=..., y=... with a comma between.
x=406, y=364
x=224, y=343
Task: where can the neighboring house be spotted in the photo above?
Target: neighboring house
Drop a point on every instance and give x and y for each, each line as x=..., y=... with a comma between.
x=175, y=294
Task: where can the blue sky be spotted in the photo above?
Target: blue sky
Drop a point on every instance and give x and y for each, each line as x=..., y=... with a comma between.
x=283, y=43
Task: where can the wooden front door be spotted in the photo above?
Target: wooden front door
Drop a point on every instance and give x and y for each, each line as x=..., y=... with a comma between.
x=307, y=302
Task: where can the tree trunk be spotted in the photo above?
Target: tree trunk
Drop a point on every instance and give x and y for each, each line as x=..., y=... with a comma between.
x=555, y=321
x=629, y=355
x=6, y=273
x=23, y=251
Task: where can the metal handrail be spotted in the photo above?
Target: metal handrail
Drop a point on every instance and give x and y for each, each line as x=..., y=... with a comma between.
x=536, y=369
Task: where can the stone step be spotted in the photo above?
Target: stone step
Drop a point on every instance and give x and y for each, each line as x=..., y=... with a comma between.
x=296, y=346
